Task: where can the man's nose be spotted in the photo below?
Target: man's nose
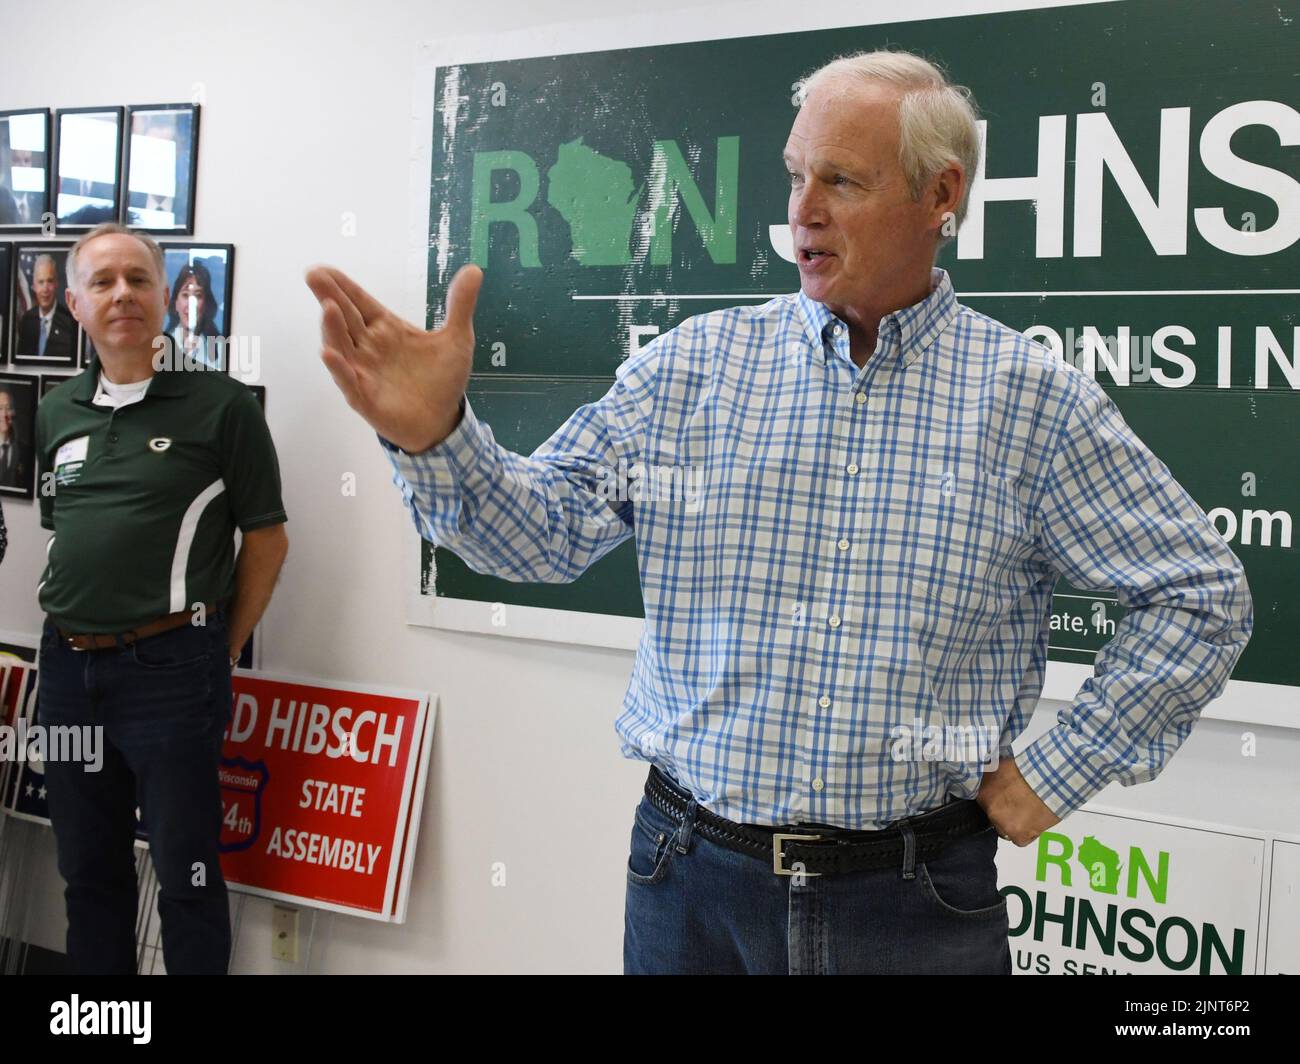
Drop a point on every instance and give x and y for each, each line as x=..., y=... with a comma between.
x=806, y=207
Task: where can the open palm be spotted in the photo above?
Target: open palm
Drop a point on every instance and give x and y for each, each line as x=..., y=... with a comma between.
x=407, y=383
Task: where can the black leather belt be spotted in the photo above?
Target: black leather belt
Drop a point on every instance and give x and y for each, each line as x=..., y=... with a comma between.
x=827, y=850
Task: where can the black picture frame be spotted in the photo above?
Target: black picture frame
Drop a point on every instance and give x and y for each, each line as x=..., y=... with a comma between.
x=6, y=296
x=18, y=473
x=95, y=200
x=218, y=261
x=50, y=381
x=24, y=210
x=259, y=393
x=150, y=178
x=22, y=324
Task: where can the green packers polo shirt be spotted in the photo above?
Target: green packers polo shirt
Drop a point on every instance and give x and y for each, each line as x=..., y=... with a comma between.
x=144, y=500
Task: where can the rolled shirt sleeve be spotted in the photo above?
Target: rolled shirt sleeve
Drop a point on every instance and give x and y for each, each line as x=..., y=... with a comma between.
x=544, y=518
x=1112, y=516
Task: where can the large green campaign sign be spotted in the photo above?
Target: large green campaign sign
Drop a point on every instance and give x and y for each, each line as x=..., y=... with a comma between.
x=1138, y=210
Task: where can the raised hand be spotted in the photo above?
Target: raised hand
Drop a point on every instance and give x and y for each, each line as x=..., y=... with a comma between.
x=407, y=383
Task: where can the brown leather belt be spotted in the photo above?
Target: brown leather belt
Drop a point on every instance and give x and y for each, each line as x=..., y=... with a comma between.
x=105, y=640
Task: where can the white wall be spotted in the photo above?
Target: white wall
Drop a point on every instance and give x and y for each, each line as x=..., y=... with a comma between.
x=305, y=118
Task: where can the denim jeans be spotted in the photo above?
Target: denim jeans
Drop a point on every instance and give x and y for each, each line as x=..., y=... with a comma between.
x=694, y=907
x=163, y=705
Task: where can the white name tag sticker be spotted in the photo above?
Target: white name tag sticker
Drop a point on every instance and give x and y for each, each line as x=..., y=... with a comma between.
x=72, y=451
x=69, y=459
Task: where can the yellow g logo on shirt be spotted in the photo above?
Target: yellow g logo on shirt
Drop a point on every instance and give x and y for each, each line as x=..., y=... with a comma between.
x=160, y=444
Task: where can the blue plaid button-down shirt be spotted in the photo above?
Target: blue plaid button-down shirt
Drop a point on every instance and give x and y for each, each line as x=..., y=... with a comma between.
x=836, y=558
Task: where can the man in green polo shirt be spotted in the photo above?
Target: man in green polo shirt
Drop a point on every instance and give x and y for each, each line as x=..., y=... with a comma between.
x=148, y=466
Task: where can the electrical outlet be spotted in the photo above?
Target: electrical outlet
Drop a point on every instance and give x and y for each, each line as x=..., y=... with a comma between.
x=284, y=934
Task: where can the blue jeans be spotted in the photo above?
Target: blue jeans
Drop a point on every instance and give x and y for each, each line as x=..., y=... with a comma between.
x=163, y=705
x=694, y=907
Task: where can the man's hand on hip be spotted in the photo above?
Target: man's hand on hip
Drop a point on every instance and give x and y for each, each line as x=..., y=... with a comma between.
x=407, y=383
x=1017, y=813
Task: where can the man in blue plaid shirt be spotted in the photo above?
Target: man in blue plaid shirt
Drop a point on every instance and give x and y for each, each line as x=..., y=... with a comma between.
x=885, y=487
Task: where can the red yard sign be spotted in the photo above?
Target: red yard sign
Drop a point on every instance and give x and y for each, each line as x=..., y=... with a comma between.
x=321, y=791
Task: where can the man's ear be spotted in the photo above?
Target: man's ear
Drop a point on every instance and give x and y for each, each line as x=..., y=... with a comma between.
x=70, y=298
x=945, y=194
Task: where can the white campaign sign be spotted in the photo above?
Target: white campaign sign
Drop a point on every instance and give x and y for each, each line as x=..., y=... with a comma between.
x=1109, y=894
x=1282, y=954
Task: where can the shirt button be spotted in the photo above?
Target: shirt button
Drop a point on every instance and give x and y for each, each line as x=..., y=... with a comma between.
x=843, y=544
x=112, y=437
x=818, y=784
x=835, y=330
x=824, y=702
x=860, y=398
x=852, y=469
x=834, y=621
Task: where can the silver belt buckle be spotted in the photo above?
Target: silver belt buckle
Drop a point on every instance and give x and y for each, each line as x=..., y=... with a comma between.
x=778, y=853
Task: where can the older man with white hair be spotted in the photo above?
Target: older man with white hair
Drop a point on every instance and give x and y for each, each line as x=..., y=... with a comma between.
x=153, y=464
x=47, y=328
x=846, y=634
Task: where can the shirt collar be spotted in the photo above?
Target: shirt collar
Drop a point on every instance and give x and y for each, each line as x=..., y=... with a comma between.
x=105, y=388
x=905, y=333
x=165, y=382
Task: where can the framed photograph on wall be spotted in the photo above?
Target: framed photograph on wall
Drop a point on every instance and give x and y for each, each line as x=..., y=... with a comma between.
x=50, y=381
x=88, y=167
x=85, y=349
x=24, y=169
x=162, y=162
x=201, y=279
x=42, y=330
x=161, y=167
x=17, y=435
x=6, y=296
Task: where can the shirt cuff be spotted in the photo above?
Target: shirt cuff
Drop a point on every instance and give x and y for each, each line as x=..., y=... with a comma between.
x=433, y=481
x=1061, y=771
x=459, y=452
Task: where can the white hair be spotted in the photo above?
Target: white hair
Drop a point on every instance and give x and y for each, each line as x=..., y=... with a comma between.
x=106, y=229
x=936, y=119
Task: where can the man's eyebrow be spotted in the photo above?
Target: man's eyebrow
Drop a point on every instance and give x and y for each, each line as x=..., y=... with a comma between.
x=134, y=270
x=834, y=162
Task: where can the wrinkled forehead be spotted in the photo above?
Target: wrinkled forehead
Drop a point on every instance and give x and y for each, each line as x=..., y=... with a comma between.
x=848, y=112
x=114, y=251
